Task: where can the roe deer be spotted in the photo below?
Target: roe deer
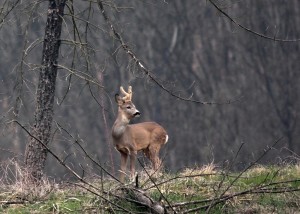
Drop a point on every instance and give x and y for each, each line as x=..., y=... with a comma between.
x=129, y=139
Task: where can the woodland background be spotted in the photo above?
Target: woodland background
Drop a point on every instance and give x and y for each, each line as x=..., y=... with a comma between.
x=194, y=51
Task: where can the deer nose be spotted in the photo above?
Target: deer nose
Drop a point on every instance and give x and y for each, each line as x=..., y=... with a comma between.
x=137, y=114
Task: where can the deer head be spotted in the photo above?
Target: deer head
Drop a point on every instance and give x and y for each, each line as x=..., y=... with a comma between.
x=126, y=108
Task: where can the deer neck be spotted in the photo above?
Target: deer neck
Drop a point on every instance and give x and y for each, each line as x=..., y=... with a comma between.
x=120, y=125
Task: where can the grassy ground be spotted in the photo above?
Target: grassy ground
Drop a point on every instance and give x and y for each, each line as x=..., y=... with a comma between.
x=271, y=189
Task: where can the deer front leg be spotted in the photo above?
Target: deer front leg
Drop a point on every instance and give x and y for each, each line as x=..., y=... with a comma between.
x=132, y=163
x=124, y=157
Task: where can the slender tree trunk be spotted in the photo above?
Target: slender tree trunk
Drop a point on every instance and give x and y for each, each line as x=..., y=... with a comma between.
x=106, y=130
x=35, y=154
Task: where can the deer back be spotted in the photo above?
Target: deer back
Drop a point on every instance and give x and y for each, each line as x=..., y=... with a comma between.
x=145, y=134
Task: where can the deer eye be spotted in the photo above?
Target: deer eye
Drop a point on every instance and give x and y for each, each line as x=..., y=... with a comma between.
x=128, y=107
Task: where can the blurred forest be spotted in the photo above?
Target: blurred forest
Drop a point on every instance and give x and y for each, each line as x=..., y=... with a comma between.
x=194, y=51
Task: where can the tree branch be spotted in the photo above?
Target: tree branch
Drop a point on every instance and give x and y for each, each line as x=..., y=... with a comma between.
x=248, y=29
x=146, y=71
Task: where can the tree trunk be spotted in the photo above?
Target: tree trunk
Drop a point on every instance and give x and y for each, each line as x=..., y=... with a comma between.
x=35, y=154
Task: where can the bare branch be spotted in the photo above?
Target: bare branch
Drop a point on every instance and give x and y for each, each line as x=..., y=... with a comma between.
x=248, y=29
x=146, y=71
x=81, y=75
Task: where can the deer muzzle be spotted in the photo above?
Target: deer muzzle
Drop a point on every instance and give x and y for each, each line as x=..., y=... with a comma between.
x=137, y=114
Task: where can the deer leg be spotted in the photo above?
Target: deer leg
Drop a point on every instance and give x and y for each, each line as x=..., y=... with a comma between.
x=124, y=157
x=132, y=163
x=147, y=153
x=153, y=156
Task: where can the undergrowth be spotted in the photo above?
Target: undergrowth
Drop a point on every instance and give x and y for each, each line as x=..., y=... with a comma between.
x=261, y=189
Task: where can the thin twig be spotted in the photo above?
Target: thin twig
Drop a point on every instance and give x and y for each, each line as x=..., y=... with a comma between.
x=248, y=29
x=219, y=199
x=146, y=71
x=69, y=169
x=158, y=189
x=107, y=200
x=87, y=155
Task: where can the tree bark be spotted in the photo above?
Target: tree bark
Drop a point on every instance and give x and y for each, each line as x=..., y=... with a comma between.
x=36, y=154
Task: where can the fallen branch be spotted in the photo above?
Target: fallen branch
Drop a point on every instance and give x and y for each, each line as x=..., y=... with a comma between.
x=140, y=198
x=4, y=203
x=158, y=189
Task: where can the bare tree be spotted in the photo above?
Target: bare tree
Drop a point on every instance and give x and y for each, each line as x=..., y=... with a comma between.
x=193, y=53
x=36, y=154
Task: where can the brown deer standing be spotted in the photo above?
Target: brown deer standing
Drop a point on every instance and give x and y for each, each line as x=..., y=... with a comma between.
x=129, y=139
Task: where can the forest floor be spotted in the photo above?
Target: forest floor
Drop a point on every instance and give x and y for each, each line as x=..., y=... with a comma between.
x=259, y=189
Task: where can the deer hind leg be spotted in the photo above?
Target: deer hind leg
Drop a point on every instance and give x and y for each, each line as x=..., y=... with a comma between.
x=147, y=153
x=153, y=156
x=124, y=157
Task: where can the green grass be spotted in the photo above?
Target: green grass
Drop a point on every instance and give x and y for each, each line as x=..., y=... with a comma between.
x=272, y=189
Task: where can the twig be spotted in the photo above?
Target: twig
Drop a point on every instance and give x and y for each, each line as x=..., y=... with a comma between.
x=246, y=192
x=97, y=194
x=83, y=76
x=139, y=197
x=254, y=190
x=69, y=169
x=220, y=199
x=87, y=155
x=13, y=5
x=225, y=175
x=146, y=71
x=161, y=194
x=248, y=29
x=12, y=202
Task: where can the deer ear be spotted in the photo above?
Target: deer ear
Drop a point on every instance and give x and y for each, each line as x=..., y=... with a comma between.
x=118, y=99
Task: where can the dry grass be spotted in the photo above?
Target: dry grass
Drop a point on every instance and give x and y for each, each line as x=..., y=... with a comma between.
x=202, y=185
x=209, y=169
x=13, y=182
